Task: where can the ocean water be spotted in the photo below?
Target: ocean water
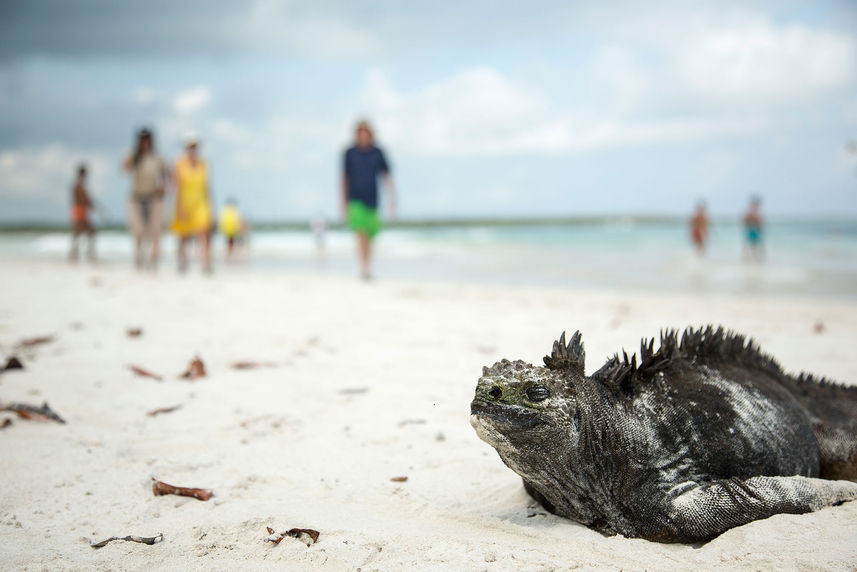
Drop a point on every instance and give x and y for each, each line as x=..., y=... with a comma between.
x=805, y=258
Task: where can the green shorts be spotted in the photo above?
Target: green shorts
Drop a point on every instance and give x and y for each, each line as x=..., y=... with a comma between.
x=363, y=219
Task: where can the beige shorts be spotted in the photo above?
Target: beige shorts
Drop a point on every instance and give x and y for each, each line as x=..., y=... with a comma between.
x=145, y=217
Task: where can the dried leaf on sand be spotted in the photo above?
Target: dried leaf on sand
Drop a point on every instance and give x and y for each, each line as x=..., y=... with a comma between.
x=195, y=370
x=306, y=535
x=160, y=488
x=37, y=341
x=252, y=364
x=130, y=538
x=353, y=390
x=144, y=372
x=161, y=410
x=13, y=363
x=33, y=413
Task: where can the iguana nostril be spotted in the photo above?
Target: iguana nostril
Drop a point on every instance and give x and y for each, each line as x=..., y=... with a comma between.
x=495, y=392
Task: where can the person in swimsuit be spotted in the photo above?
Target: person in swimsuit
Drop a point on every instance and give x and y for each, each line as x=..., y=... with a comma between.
x=81, y=205
x=145, y=208
x=363, y=164
x=753, y=231
x=699, y=228
x=193, y=211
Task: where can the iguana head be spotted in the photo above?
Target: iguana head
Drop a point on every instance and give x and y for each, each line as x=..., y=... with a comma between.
x=521, y=407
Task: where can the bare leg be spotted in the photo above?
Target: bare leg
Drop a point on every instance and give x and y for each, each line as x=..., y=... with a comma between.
x=90, y=245
x=230, y=248
x=206, y=252
x=182, y=255
x=137, y=228
x=156, y=217
x=75, y=236
x=365, y=254
x=155, y=252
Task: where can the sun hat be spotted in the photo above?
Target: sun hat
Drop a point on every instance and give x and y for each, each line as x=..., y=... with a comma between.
x=190, y=139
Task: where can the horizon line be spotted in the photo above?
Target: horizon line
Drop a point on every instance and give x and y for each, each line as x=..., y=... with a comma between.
x=463, y=221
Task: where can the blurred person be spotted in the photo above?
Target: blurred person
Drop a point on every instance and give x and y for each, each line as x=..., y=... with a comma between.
x=753, y=231
x=318, y=225
x=699, y=228
x=232, y=226
x=81, y=205
x=363, y=163
x=149, y=176
x=193, y=211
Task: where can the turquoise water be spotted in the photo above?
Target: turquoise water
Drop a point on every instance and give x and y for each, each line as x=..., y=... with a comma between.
x=817, y=258
x=811, y=258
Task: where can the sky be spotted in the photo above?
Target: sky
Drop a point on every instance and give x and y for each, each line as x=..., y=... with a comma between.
x=484, y=108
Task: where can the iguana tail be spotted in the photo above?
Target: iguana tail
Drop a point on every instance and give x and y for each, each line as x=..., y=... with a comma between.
x=833, y=411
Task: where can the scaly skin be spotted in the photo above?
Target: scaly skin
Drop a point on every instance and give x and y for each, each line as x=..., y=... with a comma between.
x=706, y=434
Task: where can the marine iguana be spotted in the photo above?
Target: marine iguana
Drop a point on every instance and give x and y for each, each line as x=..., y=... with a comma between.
x=705, y=434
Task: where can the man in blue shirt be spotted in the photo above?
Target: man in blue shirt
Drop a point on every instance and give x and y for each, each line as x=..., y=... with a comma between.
x=364, y=162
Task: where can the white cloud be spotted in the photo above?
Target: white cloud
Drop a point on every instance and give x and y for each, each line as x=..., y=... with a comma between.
x=617, y=75
x=284, y=143
x=757, y=60
x=192, y=100
x=482, y=112
x=48, y=171
x=145, y=95
x=471, y=109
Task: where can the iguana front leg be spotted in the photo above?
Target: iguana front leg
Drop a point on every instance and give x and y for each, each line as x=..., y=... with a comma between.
x=699, y=512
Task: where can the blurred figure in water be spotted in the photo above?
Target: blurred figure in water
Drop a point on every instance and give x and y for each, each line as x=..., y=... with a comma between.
x=753, y=231
x=193, y=211
x=81, y=205
x=146, y=207
x=699, y=228
x=363, y=164
x=232, y=226
x=319, y=228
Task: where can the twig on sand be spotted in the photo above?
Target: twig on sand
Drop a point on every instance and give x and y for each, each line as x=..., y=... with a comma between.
x=37, y=341
x=131, y=538
x=306, y=535
x=252, y=364
x=25, y=411
x=160, y=410
x=161, y=488
x=195, y=370
x=144, y=373
x=353, y=390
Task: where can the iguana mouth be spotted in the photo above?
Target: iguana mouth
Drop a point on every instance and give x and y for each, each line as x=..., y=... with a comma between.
x=510, y=417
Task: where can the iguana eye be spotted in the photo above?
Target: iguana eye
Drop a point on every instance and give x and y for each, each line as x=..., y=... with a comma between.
x=537, y=393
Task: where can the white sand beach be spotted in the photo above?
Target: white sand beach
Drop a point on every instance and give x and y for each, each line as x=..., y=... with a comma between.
x=360, y=384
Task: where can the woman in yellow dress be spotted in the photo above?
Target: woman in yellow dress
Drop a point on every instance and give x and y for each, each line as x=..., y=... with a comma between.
x=193, y=210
